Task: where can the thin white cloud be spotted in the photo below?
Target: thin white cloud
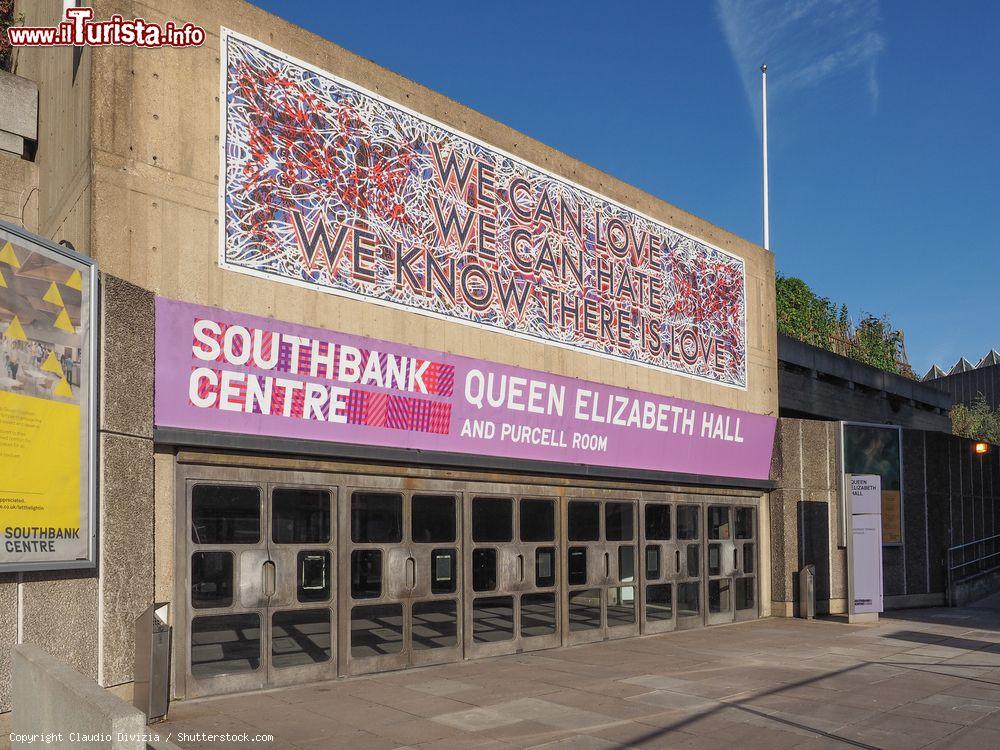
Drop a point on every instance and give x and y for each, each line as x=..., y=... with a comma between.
x=803, y=42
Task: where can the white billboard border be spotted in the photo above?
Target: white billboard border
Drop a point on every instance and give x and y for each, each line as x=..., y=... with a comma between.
x=226, y=33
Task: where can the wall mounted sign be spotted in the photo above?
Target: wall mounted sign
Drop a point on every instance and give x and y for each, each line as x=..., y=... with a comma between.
x=229, y=372
x=47, y=355
x=329, y=186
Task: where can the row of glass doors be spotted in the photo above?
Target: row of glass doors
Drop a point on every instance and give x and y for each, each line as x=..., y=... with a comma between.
x=288, y=581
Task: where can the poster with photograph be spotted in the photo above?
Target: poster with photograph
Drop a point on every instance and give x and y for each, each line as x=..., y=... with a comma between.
x=46, y=384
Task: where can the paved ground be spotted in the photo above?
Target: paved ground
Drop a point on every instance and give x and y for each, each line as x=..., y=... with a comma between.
x=927, y=678
x=920, y=679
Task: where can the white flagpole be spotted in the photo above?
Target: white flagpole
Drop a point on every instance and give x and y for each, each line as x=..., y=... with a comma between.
x=763, y=97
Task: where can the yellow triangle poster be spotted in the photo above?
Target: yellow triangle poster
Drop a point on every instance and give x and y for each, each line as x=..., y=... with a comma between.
x=15, y=331
x=75, y=281
x=3, y=281
x=7, y=256
x=52, y=296
x=52, y=364
x=62, y=389
x=63, y=323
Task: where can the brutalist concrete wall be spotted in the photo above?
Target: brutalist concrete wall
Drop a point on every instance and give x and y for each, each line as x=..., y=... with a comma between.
x=965, y=386
x=156, y=141
x=805, y=515
x=127, y=510
x=53, y=702
x=950, y=497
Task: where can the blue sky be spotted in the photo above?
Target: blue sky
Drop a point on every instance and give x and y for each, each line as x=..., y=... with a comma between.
x=884, y=124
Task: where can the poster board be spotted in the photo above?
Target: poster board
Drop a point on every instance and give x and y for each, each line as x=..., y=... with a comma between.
x=47, y=398
x=868, y=448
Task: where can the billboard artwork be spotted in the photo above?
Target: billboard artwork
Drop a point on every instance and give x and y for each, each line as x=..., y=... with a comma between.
x=221, y=371
x=329, y=186
x=46, y=396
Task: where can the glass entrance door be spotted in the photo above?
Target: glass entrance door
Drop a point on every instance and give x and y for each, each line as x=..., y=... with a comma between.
x=661, y=567
x=688, y=567
x=261, y=588
x=402, y=582
x=511, y=561
x=720, y=564
x=601, y=573
x=745, y=586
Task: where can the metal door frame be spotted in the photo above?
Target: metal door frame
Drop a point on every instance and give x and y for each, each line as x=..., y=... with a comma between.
x=595, y=580
x=508, y=570
x=752, y=613
x=294, y=675
x=266, y=675
x=407, y=656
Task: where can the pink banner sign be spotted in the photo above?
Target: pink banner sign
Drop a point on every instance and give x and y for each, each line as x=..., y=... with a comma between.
x=222, y=371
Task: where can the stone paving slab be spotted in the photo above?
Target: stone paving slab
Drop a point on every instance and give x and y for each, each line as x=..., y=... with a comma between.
x=919, y=679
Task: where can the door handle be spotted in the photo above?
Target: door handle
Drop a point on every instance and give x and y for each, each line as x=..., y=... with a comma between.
x=607, y=565
x=411, y=573
x=677, y=561
x=520, y=568
x=736, y=559
x=268, y=576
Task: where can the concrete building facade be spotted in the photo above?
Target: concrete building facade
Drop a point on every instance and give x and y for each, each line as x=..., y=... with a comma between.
x=127, y=169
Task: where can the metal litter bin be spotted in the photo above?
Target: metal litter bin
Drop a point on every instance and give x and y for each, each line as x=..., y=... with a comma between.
x=151, y=689
x=807, y=592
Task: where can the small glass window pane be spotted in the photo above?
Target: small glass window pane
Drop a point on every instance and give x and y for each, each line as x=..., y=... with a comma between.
x=313, y=574
x=492, y=519
x=300, y=636
x=653, y=561
x=714, y=559
x=225, y=644
x=545, y=567
x=693, y=556
x=657, y=521
x=744, y=523
x=300, y=516
x=435, y=624
x=744, y=593
x=584, y=521
x=432, y=518
x=659, y=602
x=576, y=566
x=621, y=606
x=493, y=619
x=376, y=630
x=484, y=569
x=618, y=522
x=719, y=593
x=687, y=522
x=538, y=521
x=538, y=614
x=748, y=558
x=626, y=564
x=688, y=599
x=718, y=522
x=376, y=517
x=366, y=574
x=444, y=571
x=585, y=609
x=211, y=580
x=225, y=514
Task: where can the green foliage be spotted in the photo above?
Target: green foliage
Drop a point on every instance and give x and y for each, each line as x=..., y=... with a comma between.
x=805, y=316
x=978, y=421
